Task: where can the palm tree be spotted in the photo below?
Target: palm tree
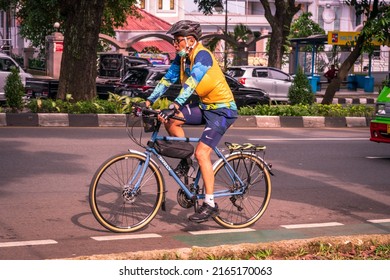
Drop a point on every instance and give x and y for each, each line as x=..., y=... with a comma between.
x=236, y=41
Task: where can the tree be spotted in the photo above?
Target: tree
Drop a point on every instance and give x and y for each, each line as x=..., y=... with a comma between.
x=300, y=91
x=82, y=25
x=280, y=23
x=81, y=22
x=304, y=26
x=377, y=26
x=236, y=41
x=14, y=90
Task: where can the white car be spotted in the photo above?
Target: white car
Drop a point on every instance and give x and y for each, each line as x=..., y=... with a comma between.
x=6, y=62
x=274, y=81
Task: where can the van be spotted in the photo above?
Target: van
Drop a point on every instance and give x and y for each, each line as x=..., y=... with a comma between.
x=380, y=126
x=6, y=62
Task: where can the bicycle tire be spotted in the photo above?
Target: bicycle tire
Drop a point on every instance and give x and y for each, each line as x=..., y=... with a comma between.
x=240, y=211
x=109, y=198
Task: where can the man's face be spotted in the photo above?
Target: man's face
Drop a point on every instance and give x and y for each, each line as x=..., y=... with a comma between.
x=179, y=42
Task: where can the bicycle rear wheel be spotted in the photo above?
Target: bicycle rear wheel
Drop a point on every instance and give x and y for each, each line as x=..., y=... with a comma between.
x=243, y=210
x=113, y=200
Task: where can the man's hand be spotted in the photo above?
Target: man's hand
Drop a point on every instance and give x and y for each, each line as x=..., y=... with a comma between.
x=145, y=104
x=166, y=114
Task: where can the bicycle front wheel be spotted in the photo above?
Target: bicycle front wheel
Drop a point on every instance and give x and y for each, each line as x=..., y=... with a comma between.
x=115, y=202
x=244, y=209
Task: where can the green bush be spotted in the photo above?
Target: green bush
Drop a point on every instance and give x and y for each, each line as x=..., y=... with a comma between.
x=300, y=90
x=14, y=90
x=117, y=106
x=333, y=110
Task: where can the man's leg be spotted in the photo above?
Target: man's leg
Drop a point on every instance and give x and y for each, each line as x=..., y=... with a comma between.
x=208, y=208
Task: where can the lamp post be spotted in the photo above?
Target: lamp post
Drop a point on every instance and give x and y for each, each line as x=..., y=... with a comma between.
x=219, y=8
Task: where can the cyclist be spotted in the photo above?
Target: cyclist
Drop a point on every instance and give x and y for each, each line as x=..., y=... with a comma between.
x=200, y=74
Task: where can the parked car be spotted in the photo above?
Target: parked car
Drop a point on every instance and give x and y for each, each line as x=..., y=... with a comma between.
x=274, y=81
x=6, y=62
x=141, y=81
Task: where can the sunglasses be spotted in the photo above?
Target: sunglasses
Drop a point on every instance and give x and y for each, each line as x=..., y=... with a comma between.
x=177, y=41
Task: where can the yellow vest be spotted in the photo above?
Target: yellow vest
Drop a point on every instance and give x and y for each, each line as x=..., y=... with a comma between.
x=213, y=88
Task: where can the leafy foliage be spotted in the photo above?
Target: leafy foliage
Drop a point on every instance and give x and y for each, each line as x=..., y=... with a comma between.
x=38, y=16
x=333, y=110
x=14, y=90
x=300, y=91
x=304, y=26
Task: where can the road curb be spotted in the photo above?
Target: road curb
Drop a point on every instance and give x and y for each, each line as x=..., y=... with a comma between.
x=119, y=120
x=349, y=100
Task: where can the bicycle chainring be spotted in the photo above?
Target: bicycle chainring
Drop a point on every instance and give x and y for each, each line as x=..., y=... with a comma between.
x=183, y=200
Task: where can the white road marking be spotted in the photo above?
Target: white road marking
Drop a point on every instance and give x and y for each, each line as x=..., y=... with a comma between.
x=310, y=139
x=28, y=243
x=332, y=224
x=217, y=231
x=380, y=221
x=123, y=237
x=378, y=157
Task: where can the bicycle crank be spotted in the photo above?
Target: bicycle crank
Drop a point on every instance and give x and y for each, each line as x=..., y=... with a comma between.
x=183, y=200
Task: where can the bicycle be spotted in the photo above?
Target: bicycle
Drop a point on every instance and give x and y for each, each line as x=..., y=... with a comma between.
x=128, y=189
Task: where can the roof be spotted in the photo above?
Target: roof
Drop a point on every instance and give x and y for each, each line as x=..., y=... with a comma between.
x=147, y=22
x=311, y=40
x=162, y=45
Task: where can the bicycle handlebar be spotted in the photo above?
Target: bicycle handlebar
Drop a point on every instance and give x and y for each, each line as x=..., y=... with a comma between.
x=154, y=112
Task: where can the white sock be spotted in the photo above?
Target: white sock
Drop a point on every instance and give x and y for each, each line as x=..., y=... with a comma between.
x=209, y=199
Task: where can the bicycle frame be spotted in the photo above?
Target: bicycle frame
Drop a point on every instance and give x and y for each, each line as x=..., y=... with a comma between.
x=150, y=150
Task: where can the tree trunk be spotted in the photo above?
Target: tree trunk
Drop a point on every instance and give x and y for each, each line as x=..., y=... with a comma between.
x=280, y=23
x=343, y=72
x=354, y=55
x=78, y=66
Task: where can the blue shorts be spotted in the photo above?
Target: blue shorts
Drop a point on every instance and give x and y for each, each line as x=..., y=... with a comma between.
x=217, y=121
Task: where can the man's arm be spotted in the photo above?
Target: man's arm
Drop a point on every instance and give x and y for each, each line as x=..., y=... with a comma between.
x=202, y=64
x=170, y=78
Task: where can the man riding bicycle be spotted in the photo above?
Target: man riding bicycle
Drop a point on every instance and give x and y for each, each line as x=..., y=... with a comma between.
x=199, y=73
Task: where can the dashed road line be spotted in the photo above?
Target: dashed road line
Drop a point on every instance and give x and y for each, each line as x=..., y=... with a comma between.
x=127, y=236
x=332, y=224
x=28, y=243
x=310, y=139
x=200, y=232
x=218, y=231
x=380, y=221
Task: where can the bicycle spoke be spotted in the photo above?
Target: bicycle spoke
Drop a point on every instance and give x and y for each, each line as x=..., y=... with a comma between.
x=115, y=201
x=245, y=208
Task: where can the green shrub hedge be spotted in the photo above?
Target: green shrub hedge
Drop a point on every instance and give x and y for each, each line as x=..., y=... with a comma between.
x=118, y=105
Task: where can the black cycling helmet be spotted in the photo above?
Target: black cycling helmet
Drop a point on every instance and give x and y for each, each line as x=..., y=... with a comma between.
x=186, y=28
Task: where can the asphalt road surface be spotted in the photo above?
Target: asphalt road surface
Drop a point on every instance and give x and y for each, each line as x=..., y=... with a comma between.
x=330, y=181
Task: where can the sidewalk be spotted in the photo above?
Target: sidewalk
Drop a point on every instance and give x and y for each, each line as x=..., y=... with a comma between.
x=345, y=96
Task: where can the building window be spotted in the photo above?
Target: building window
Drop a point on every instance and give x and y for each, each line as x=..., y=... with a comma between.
x=160, y=4
x=142, y=4
x=172, y=4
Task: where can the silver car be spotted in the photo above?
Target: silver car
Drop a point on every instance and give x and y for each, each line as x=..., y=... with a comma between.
x=274, y=81
x=6, y=62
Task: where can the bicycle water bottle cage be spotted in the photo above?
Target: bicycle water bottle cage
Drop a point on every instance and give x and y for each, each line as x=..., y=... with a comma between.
x=246, y=147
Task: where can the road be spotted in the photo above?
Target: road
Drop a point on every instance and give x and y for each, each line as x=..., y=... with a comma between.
x=331, y=181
